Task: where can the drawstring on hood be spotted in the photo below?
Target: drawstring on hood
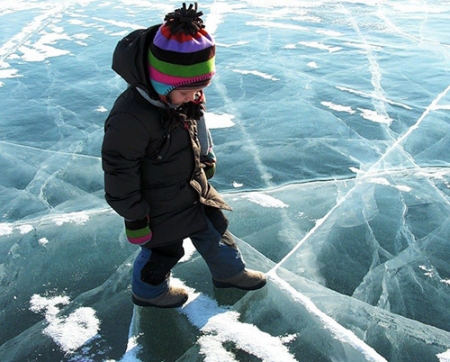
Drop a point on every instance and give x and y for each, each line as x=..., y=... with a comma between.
x=204, y=135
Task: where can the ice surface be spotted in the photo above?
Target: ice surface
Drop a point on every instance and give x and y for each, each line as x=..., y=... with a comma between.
x=332, y=130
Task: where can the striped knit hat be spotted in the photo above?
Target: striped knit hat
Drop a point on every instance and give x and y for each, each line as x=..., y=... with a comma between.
x=182, y=52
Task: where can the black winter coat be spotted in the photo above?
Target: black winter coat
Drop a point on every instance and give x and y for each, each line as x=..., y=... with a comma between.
x=151, y=156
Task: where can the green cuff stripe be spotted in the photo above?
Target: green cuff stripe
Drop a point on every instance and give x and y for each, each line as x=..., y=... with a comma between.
x=138, y=233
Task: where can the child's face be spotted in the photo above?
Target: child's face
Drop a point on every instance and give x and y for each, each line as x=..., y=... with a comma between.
x=180, y=96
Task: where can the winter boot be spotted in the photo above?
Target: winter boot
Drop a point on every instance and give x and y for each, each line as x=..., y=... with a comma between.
x=171, y=298
x=246, y=280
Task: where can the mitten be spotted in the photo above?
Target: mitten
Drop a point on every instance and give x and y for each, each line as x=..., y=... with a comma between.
x=210, y=164
x=138, y=231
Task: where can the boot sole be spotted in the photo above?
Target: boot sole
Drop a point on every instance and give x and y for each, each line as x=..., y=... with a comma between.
x=142, y=303
x=218, y=284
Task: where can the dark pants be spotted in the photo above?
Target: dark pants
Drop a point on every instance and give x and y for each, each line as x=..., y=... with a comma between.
x=152, y=267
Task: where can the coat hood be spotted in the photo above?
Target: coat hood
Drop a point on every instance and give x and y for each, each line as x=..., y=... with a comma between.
x=130, y=59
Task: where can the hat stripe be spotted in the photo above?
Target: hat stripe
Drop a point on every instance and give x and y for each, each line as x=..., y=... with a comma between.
x=170, y=79
x=175, y=58
x=164, y=89
x=178, y=70
x=182, y=43
x=182, y=36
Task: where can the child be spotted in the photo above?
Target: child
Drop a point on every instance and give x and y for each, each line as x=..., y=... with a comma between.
x=157, y=156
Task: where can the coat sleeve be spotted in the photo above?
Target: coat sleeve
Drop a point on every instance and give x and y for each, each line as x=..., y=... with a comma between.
x=123, y=149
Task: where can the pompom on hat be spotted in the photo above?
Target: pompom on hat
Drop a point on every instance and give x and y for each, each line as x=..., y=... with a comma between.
x=182, y=54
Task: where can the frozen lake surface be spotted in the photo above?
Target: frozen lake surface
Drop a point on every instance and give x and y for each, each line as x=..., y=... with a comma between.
x=331, y=121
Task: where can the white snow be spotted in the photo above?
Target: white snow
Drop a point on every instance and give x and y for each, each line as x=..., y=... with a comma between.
x=69, y=332
x=265, y=200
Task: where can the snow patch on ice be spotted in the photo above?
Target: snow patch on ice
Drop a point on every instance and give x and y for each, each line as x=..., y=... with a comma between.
x=25, y=229
x=320, y=46
x=444, y=357
x=257, y=73
x=221, y=325
x=78, y=218
x=8, y=72
x=374, y=116
x=237, y=184
x=265, y=200
x=216, y=14
x=189, y=250
x=380, y=181
x=69, y=332
x=43, y=241
x=329, y=32
x=101, y=109
x=337, y=107
x=383, y=181
x=403, y=188
x=43, y=48
x=5, y=229
x=215, y=121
